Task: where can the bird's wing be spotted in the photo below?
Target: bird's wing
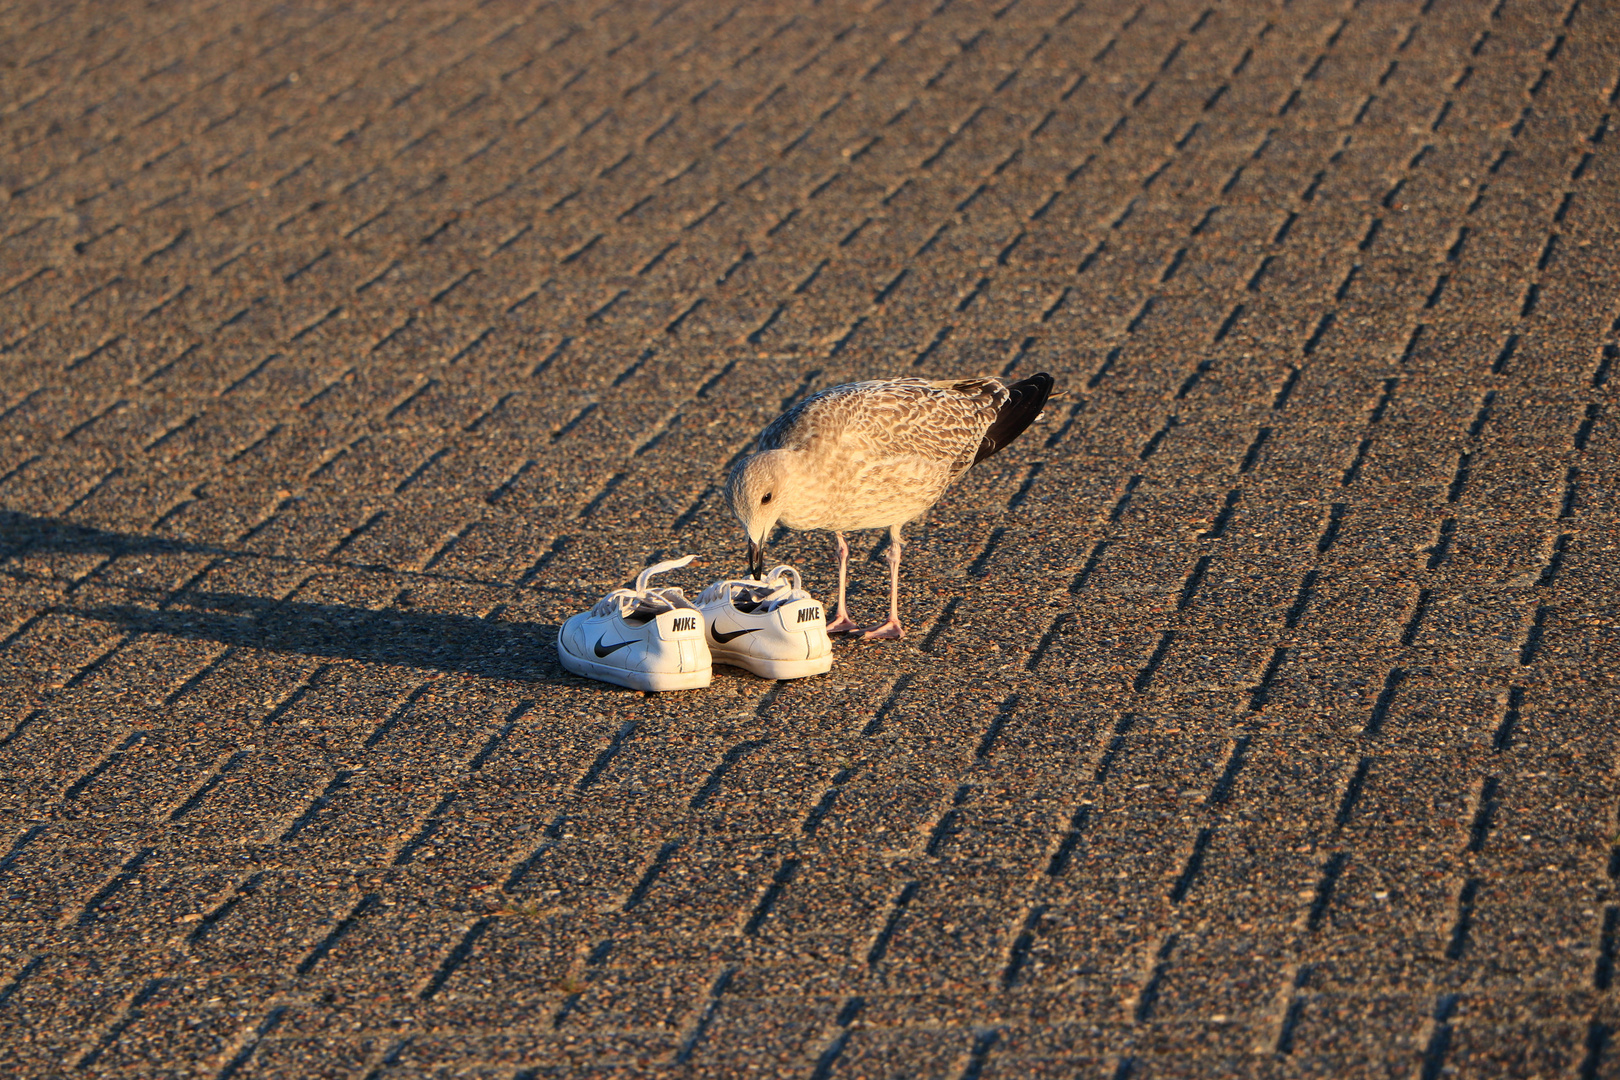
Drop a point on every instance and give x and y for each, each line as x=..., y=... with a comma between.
x=967, y=409
x=826, y=414
x=797, y=428
x=939, y=421
x=959, y=422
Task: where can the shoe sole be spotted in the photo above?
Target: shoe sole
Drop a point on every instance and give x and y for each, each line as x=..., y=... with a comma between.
x=634, y=680
x=773, y=669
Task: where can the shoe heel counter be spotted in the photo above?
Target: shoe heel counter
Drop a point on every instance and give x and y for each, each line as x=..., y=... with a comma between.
x=804, y=622
x=802, y=616
x=681, y=634
x=694, y=654
x=682, y=624
x=677, y=643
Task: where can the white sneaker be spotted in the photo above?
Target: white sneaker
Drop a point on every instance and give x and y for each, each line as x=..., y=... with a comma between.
x=643, y=638
x=773, y=627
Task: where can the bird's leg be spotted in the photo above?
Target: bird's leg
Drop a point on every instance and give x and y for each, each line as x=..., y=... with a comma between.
x=841, y=620
x=891, y=629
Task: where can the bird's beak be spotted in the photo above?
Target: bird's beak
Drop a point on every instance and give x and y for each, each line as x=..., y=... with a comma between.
x=756, y=560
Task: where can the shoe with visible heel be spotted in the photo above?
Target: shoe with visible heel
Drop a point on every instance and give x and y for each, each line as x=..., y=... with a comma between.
x=772, y=627
x=642, y=638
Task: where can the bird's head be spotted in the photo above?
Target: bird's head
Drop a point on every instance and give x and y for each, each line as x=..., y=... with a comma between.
x=755, y=490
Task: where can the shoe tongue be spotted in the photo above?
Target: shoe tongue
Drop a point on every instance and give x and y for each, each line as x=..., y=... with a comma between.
x=627, y=603
x=643, y=599
x=657, y=601
x=764, y=598
x=780, y=586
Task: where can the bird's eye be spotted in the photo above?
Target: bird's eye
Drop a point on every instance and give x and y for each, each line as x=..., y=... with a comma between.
x=766, y=499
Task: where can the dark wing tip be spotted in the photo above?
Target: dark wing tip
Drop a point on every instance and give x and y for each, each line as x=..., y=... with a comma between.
x=1025, y=400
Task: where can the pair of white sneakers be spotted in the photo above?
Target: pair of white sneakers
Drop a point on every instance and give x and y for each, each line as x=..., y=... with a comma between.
x=657, y=639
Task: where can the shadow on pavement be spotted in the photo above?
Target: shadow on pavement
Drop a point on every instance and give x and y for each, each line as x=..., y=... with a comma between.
x=438, y=641
x=22, y=533
x=460, y=643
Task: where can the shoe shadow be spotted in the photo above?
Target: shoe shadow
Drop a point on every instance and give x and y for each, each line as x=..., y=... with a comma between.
x=24, y=533
x=455, y=643
x=437, y=641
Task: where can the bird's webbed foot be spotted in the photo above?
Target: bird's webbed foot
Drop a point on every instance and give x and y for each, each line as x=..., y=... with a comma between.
x=843, y=625
x=888, y=631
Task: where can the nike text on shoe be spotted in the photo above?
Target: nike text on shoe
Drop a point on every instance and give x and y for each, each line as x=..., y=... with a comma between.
x=643, y=638
x=772, y=627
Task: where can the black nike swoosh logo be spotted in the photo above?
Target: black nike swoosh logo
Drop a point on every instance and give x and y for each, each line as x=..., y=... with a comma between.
x=723, y=638
x=611, y=649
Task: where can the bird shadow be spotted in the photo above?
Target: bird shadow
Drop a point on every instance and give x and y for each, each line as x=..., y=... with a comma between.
x=484, y=647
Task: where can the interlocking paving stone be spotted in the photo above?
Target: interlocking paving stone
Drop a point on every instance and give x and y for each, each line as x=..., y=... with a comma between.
x=1256, y=716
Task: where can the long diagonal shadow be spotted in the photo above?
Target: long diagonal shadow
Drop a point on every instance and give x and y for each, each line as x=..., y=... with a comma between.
x=22, y=534
x=494, y=650
x=442, y=642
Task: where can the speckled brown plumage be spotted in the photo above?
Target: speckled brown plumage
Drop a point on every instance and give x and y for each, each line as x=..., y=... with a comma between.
x=873, y=455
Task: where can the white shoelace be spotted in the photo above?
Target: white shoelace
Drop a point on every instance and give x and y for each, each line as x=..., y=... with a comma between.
x=781, y=586
x=643, y=601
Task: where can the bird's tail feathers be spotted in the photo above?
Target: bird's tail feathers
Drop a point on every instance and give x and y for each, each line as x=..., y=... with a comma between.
x=1026, y=402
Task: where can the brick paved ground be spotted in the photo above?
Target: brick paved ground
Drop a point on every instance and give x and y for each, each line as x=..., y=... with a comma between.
x=1258, y=713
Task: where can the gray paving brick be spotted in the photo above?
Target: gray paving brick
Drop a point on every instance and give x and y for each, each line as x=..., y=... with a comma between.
x=1255, y=714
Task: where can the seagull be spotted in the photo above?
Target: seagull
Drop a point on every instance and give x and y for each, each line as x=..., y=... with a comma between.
x=873, y=455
